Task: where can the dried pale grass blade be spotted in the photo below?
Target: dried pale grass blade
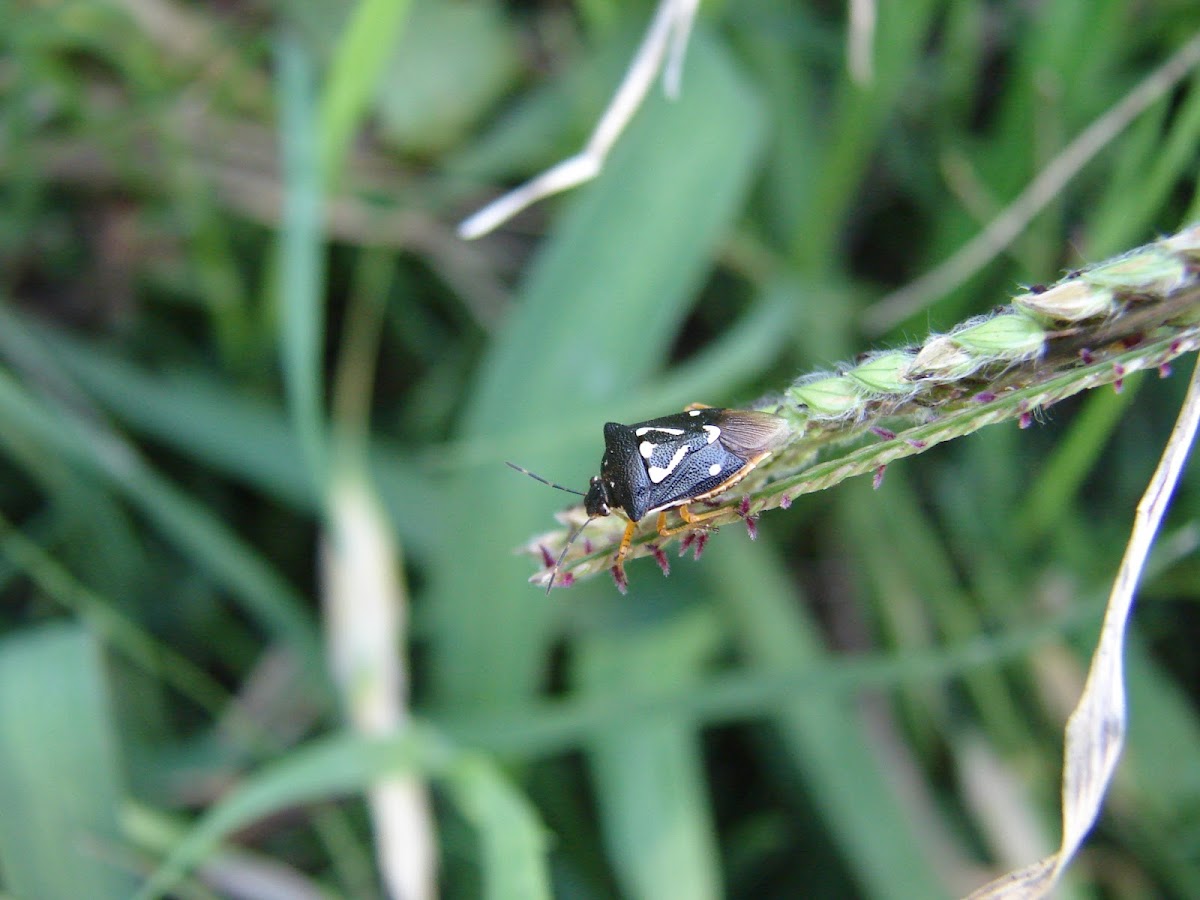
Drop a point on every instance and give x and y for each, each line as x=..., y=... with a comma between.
x=1003, y=229
x=667, y=35
x=1032, y=881
x=1095, y=732
x=560, y=177
x=999, y=800
x=364, y=612
x=860, y=38
x=684, y=14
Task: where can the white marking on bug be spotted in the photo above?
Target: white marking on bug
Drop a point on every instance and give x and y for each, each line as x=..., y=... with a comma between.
x=693, y=412
x=714, y=469
x=713, y=432
x=648, y=428
x=658, y=474
x=646, y=449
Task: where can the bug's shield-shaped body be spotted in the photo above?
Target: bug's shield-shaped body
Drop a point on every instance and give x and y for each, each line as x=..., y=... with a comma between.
x=672, y=461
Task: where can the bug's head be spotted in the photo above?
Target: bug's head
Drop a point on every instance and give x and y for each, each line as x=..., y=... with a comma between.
x=597, y=501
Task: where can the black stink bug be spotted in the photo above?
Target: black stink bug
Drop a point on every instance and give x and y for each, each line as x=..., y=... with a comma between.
x=668, y=463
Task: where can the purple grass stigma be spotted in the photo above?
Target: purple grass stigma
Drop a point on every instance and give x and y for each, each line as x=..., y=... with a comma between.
x=620, y=579
x=751, y=521
x=877, y=478
x=883, y=433
x=661, y=559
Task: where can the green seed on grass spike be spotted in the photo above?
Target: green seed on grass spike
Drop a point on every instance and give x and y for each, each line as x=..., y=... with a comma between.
x=831, y=397
x=1007, y=336
x=1148, y=269
x=884, y=373
x=1070, y=301
x=941, y=359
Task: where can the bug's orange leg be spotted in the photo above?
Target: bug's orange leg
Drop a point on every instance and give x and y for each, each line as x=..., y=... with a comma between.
x=690, y=519
x=692, y=406
x=618, y=569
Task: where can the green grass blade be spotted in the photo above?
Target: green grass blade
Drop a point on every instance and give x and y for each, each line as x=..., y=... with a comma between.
x=334, y=766
x=1169, y=160
x=179, y=517
x=61, y=782
x=513, y=838
x=122, y=632
x=649, y=773
x=229, y=431
x=322, y=770
x=358, y=61
x=302, y=255
x=1062, y=475
x=831, y=749
x=549, y=728
x=859, y=115
x=1164, y=782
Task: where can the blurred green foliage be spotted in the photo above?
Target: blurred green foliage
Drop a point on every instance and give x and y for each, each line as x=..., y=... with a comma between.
x=226, y=233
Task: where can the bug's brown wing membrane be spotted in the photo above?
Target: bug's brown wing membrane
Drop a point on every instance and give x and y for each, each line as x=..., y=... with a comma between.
x=748, y=433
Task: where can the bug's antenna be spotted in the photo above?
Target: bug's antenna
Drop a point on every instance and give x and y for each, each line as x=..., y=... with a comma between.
x=570, y=540
x=543, y=480
x=574, y=534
